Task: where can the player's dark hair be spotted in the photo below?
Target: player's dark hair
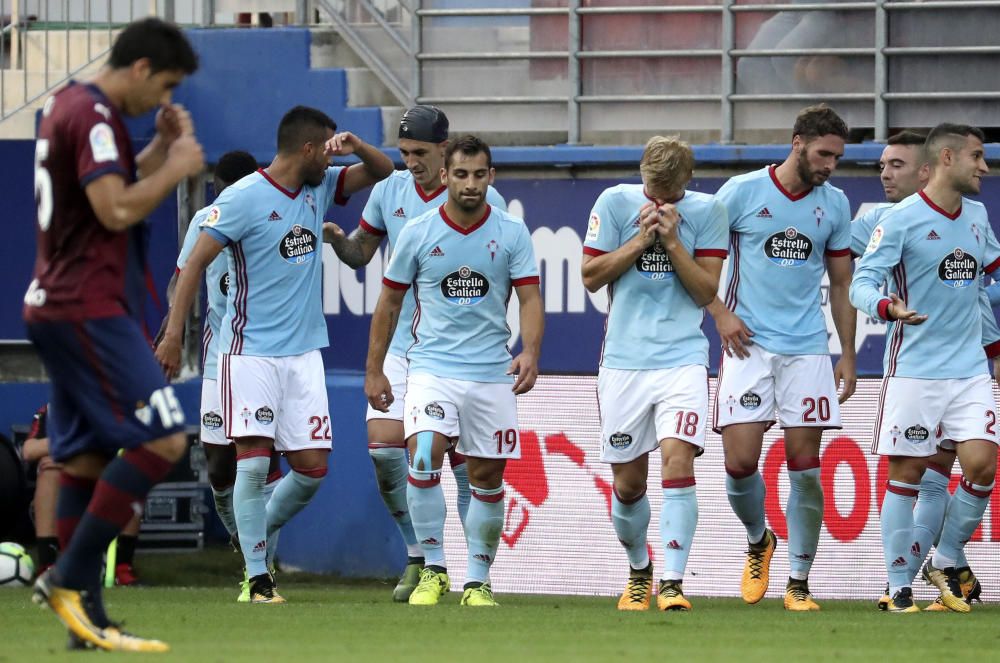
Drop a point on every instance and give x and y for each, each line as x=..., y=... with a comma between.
x=907, y=137
x=301, y=125
x=819, y=120
x=948, y=133
x=234, y=166
x=470, y=146
x=162, y=43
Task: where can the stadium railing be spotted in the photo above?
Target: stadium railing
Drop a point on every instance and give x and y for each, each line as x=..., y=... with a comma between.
x=731, y=63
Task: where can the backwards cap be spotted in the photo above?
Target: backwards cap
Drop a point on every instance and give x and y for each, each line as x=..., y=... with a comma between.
x=427, y=124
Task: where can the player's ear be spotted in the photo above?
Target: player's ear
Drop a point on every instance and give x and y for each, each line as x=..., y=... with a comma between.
x=141, y=69
x=493, y=174
x=444, y=175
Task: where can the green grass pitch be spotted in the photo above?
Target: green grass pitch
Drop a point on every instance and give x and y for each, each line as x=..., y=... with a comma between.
x=331, y=620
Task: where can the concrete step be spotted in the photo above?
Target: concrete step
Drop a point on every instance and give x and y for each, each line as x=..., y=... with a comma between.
x=61, y=45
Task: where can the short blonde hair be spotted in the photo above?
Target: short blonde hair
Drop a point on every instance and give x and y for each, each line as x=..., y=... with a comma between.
x=667, y=164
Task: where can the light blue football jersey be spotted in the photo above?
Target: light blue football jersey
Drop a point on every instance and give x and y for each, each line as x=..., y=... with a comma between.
x=652, y=320
x=861, y=231
x=217, y=285
x=274, y=307
x=935, y=259
x=392, y=202
x=777, y=245
x=462, y=281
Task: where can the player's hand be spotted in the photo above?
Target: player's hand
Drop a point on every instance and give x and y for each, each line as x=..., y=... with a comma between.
x=185, y=154
x=898, y=311
x=342, y=144
x=525, y=367
x=168, y=353
x=378, y=391
x=332, y=233
x=648, y=221
x=996, y=368
x=734, y=333
x=845, y=376
x=668, y=220
x=174, y=121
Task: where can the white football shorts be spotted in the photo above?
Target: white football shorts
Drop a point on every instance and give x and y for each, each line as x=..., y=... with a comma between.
x=282, y=398
x=481, y=415
x=639, y=408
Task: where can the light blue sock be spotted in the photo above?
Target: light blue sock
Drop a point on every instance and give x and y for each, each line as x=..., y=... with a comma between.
x=224, y=507
x=804, y=512
x=961, y=562
x=482, y=531
x=391, y=472
x=746, y=497
x=251, y=509
x=295, y=490
x=631, y=522
x=428, y=511
x=272, y=537
x=928, y=514
x=678, y=520
x=461, y=472
x=965, y=511
x=896, y=522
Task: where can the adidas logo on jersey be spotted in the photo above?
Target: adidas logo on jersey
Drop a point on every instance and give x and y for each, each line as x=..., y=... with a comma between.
x=436, y=252
x=399, y=213
x=933, y=235
x=274, y=216
x=764, y=214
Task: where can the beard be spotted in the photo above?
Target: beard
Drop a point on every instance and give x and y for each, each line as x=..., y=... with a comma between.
x=805, y=173
x=469, y=204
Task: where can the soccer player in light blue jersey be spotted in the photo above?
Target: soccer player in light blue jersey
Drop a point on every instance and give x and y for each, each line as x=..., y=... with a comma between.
x=462, y=260
x=935, y=243
x=272, y=386
x=787, y=223
x=220, y=452
x=404, y=195
x=659, y=248
x=904, y=170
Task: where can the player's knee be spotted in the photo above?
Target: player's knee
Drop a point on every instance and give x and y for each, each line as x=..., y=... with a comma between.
x=629, y=489
x=220, y=473
x=172, y=448
x=982, y=476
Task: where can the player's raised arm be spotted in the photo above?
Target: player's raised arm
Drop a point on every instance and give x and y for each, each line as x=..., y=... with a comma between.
x=119, y=205
x=172, y=122
x=377, y=387
x=168, y=352
x=601, y=264
x=374, y=165
x=355, y=250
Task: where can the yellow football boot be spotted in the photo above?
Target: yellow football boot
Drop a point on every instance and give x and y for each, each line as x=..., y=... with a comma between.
x=432, y=586
x=638, y=590
x=481, y=596
x=757, y=568
x=798, y=598
x=670, y=596
x=902, y=601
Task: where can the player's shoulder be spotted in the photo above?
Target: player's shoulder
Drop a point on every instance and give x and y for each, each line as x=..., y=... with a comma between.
x=201, y=214
x=833, y=193
x=505, y=218
x=620, y=192
x=752, y=178
x=974, y=206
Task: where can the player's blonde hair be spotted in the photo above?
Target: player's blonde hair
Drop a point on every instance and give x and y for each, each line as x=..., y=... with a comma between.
x=667, y=164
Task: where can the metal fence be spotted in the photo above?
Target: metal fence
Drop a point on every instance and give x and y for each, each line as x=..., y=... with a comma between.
x=723, y=66
x=886, y=59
